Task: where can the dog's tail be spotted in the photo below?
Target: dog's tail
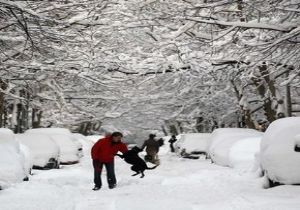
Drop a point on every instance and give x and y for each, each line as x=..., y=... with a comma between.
x=151, y=168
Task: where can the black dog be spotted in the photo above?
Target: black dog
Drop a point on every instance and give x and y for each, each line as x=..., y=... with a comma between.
x=138, y=164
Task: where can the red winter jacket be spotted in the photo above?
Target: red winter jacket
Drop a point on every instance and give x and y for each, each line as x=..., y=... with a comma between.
x=104, y=150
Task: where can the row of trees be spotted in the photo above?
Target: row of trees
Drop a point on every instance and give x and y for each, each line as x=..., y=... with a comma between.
x=181, y=65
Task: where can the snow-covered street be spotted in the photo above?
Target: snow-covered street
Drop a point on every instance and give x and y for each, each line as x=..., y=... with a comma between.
x=176, y=184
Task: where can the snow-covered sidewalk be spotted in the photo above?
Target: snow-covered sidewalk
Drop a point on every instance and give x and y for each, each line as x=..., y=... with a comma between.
x=181, y=184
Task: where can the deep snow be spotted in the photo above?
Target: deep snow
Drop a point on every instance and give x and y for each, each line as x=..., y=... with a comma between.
x=177, y=184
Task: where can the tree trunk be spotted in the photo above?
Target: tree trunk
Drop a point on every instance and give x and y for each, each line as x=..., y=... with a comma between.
x=288, y=99
x=36, y=118
x=3, y=86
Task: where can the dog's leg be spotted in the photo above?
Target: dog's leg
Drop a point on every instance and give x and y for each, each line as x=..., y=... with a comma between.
x=135, y=174
x=142, y=175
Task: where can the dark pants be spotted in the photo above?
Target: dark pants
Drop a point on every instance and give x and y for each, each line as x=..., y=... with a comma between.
x=172, y=147
x=110, y=170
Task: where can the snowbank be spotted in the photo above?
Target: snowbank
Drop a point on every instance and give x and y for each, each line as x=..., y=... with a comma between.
x=42, y=148
x=11, y=160
x=222, y=141
x=278, y=157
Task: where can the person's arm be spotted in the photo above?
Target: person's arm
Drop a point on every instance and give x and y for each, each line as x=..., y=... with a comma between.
x=123, y=148
x=144, y=145
x=95, y=149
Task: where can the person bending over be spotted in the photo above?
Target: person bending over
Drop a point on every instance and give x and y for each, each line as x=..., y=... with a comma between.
x=103, y=153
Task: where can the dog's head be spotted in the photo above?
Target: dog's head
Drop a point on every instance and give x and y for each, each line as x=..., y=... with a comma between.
x=136, y=149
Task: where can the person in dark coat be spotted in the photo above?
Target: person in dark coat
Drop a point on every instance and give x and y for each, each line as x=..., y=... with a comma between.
x=152, y=149
x=103, y=153
x=172, y=141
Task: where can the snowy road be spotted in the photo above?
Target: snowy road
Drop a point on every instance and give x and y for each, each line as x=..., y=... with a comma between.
x=175, y=184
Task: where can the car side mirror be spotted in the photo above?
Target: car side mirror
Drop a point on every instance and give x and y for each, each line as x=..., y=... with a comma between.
x=297, y=143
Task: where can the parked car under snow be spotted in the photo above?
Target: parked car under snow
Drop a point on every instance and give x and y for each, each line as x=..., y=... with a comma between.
x=279, y=156
x=14, y=167
x=224, y=151
x=45, y=152
x=70, y=147
x=69, y=153
x=192, y=145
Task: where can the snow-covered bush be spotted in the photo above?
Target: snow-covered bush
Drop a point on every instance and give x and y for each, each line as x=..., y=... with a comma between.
x=12, y=168
x=44, y=151
x=279, y=160
x=221, y=148
x=193, y=143
x=70, y=147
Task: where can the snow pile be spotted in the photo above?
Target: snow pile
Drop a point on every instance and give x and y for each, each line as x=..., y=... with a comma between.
x=11, y=160
x=193, y=142
x=42, y=148
x=278, y=157
x=222, y=141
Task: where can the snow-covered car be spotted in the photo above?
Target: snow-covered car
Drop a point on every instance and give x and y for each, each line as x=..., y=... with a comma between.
x=221, y=148
x=44, y=151
x=192, y=144
x=27, y=160
x=81, y=140
x=66, y=148
x=243, y=154
x=279, y=158
x=12, y=161
x=297, y=143
x=69, y=153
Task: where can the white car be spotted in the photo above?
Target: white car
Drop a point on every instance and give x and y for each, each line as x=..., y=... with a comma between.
x=192, y=144
x=279, y=156
x=12, y=161
x=45, y=152
x=223, y=141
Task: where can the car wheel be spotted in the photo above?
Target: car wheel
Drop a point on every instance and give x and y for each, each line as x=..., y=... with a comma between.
x=272, y=183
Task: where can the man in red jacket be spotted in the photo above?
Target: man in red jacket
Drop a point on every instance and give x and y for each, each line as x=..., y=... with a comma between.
x=103, y=153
